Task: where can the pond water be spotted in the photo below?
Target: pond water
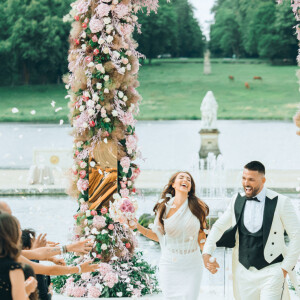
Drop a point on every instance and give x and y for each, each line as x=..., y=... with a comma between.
x=168, y=145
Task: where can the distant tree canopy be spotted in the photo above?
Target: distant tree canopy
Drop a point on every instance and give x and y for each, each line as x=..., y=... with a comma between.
x=34, y=39
x=173, y=30
x=256, y=28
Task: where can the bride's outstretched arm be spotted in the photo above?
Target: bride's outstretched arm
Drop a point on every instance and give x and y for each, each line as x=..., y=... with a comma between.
x=147, y=232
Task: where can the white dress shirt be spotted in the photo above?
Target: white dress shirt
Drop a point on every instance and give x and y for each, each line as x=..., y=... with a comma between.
x=254, y=212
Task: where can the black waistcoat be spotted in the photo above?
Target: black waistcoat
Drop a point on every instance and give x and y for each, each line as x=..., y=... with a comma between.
x=251, y=247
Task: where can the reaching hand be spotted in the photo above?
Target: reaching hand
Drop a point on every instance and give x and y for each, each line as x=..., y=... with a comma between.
x=58, y=261
x=88, y=267
x=51, y=244
x=30, y=285
x=40, y=241
x=133, y=224
x=82, y=246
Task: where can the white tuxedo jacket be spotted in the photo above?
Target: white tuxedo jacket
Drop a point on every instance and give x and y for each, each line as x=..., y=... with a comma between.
x=279, y=216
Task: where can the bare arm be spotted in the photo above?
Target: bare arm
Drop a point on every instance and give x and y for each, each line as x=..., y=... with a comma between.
x=58, y=270
x=147, y=232
x=17, y=280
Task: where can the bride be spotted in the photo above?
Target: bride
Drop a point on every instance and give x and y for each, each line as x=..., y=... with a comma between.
x=178, y=227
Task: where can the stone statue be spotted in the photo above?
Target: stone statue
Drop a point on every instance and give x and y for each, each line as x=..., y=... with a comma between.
x=209, y=108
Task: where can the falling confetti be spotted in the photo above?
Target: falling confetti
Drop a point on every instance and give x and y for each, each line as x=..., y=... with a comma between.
x=14, y=110
x=61, y=122
x=53, y=103
x=58, y=109
x=33, y=112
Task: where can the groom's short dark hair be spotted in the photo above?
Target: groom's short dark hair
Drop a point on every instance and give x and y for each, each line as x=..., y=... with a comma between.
x=255, y=166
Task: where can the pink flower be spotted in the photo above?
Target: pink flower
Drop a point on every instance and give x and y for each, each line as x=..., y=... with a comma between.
x=121, y=10
x=99, y=222
x=88, y=59
x=94, y=213
x=131, y=143
x=111, y=279
x=84, y=207
x=124, y=192
x=125, y=162
x=79, y=291
x=96, y=25
x=123, y=207
x=86, y=276
x=96, y=51
x=82, y=174
x=92, y=124
x=137, y=292
x=93, y=292
x=111, y=226
x=84, y=25
x=131, y=209
x=127, y=118
x=127, y=202
x=103, y=210
x=82, y=6
x=99, y=256
x=82, y=184
x=76, y=18
x=94, y=38
x=105, y=268
x=102, y=10
x=127, y=245
x=126, y=29
x=70, y=280
x=123, y=185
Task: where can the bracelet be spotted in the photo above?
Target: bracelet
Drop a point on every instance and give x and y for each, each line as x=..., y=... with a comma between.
x=79, y=269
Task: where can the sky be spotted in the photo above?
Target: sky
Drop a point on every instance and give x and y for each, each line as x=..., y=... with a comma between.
x=203, y=14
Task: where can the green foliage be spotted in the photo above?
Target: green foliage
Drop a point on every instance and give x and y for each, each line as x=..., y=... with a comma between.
x=173, y=30
x=33, y=40
x=254, y=29
x=146, y=219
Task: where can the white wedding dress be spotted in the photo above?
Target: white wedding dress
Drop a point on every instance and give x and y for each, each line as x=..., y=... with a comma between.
x=181, y=265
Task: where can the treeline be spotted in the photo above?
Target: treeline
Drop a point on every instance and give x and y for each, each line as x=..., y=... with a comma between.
x=34, y=38
x=254, y=28
x=173, y=30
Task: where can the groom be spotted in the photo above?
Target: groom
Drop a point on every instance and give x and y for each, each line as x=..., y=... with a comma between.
x=254, y=225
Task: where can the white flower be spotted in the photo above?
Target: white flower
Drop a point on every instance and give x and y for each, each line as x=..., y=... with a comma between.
x=99, y=85
x=101, y=41
x=134, y=18
x=119, y=294
x=81, y=200
x=94, y=254
x=106, y=77
x=106, y=20
x=128, y=53
x=83, y=47
x=14, y=110
x=107, y=120
x=129, y=67
x=122, y=70
x=116, y=54
x=115, y=2
x=91, y=64
x=114, y=113
x=90, y=103
x=87, y=230
x=106, y=50
x=79, y=144
x=106, y=90
x=116, y=196
x=85, y=125
x=124, y=178
x=86, y=94
x=109, y=39
x=67, y=86
x=125, y=170
x=125, y=60
x=99, y=286
x=121, y=94
x=95, y=231
x=109, y=29
x=95, y=97
x=125, y=98
x=83, y=35
x=88, y=213
x=103, y=246
x=91, y=112
x=98, y=106
x=81, y=108
x=92, y=164
x=104, y=231
x=129, y=183
x=105, y=141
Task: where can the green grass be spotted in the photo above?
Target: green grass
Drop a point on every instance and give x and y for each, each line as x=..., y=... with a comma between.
x=175, y=91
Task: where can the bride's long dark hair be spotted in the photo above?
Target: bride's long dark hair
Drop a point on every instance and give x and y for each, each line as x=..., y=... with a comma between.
x=196, y=205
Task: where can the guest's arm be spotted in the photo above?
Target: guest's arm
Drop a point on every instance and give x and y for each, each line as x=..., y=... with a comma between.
x=291, y=224
x=17, y=280
x=58, y=270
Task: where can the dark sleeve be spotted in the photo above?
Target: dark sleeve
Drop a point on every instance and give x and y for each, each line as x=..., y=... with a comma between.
x=15, y=266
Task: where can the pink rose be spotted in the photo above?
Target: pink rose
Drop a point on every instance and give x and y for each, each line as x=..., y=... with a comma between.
x=94, y=213
x=99, y=222
x=96, y=25
x=84, y=207
x=111, y=226
x=125, y=162
x=82, y=174
x=103, y=210
x=102, y=10
x=82, y=184
x=121, y=10
x=88, y=59
x=94, y=38
x=86, y=276
x=131, y=143
x=123, y=184
x=82, y=7
x=127, y=245
x=124, y=192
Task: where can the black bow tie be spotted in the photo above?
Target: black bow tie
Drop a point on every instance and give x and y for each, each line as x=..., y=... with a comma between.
x=252, y=199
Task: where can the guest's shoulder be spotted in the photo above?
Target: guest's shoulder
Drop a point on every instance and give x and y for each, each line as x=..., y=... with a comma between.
x=7, y=264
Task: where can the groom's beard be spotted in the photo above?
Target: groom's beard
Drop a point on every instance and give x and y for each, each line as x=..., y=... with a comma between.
x=253, y=193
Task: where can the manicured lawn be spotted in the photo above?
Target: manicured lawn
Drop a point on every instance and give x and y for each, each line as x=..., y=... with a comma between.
x=175, y=91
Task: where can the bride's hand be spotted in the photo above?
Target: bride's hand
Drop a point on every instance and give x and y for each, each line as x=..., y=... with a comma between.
x=213, y=267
